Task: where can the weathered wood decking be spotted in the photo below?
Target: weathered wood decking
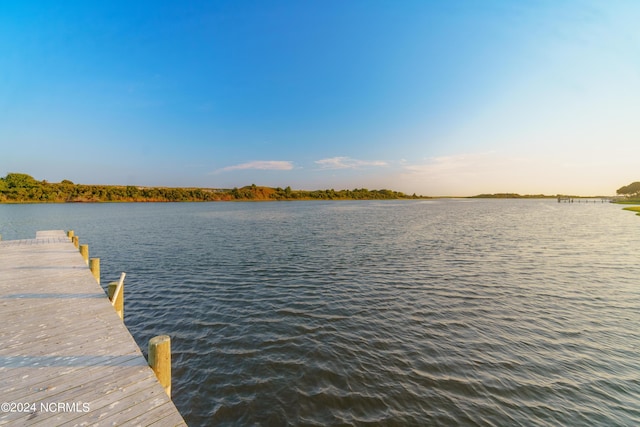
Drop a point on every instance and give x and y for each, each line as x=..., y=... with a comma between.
x=66, y=358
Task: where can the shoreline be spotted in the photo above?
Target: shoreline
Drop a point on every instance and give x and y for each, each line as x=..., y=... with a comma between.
x=298, y=199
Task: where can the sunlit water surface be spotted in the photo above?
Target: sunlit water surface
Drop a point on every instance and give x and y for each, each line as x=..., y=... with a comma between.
x=445, y=312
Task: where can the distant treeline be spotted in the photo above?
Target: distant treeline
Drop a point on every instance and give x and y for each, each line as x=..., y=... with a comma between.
x=23, y=188
x=512, y=196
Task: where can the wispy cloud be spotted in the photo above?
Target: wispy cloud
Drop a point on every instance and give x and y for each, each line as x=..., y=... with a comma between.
x=281, y=165
x=486, y=172
x=457, y=164
x=347, y=163
x=468, y=167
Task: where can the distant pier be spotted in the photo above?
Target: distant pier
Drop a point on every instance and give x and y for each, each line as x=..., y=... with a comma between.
x=66, y=357
x=571, y=199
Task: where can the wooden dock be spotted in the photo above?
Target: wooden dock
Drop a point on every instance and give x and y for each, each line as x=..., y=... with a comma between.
x=66, y=357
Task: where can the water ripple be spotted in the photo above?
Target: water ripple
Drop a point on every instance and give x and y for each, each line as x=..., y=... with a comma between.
x=479, y=312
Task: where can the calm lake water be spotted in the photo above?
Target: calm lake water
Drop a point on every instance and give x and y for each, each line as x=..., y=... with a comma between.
x=444, y=312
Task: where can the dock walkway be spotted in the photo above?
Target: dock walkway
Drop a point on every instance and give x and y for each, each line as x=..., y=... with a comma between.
x=66, y=357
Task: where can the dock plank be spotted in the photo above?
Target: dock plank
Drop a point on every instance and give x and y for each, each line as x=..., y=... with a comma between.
x=63, y=348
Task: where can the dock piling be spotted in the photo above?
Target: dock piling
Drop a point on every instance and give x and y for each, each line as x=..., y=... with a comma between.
x=76, y=241
x=84, y=251
x=94, y=266
x=116, y=296
x=160, y=360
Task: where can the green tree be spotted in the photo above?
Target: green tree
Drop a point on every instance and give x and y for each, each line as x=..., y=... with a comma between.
x=132, y=191
x=20, y=180
x=631, y=190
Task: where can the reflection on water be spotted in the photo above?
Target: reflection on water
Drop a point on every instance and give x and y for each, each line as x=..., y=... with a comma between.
x=475, y=312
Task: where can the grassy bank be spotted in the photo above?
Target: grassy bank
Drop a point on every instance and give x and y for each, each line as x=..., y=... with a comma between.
x=635, y=209
x=630, y=201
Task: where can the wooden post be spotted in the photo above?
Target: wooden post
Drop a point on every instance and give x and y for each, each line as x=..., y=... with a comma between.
x=70, y=234
x=94, y=266
x=84, y=251
x=76, y=241
x=119, y=304
x=160, y=360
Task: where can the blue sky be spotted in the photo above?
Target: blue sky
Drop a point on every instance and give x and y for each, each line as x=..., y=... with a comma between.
x=432, y=97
